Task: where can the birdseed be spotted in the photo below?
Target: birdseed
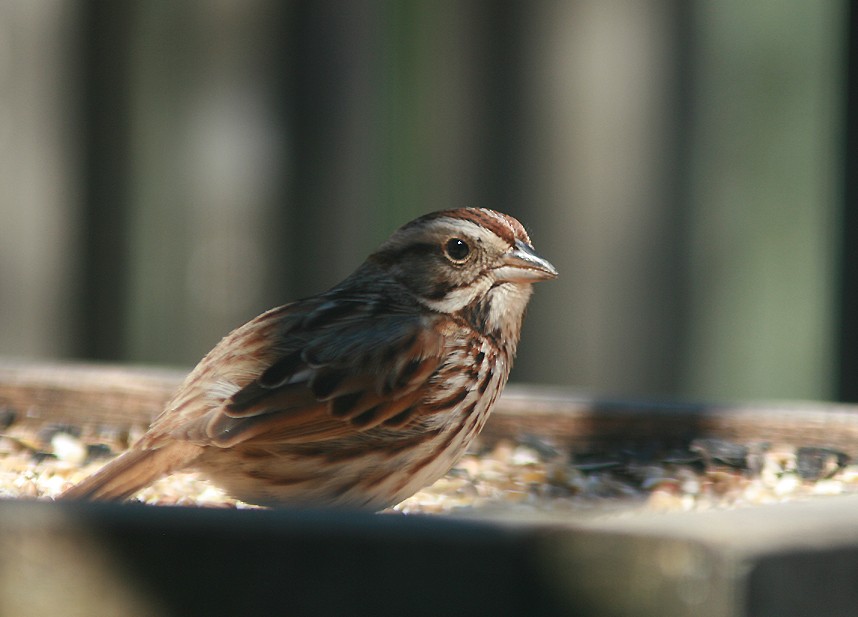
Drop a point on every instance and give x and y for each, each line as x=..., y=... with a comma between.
x=529, y=474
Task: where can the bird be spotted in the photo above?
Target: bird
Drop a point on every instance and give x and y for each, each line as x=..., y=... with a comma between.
x=359, y=396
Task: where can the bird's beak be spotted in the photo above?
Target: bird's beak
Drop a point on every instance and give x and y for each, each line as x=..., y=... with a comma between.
x=521, y=264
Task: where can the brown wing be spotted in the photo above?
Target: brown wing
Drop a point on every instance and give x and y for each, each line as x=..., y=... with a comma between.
x=329, y=372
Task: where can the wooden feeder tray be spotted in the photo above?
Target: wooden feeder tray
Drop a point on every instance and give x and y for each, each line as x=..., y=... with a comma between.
x=780, y=560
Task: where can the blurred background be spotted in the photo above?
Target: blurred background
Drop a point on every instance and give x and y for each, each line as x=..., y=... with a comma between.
x=169, y=169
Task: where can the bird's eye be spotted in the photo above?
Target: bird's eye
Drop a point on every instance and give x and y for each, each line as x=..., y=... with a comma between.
x=457, y=249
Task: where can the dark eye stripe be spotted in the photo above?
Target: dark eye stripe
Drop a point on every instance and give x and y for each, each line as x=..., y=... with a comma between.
x=419, y=248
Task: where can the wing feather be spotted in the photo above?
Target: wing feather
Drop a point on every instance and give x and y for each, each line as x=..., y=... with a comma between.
x=329, y=378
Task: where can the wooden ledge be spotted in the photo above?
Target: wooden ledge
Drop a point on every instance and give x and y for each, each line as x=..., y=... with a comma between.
x=784, y=560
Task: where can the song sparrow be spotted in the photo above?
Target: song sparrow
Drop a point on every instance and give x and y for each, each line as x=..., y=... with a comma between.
x=359, y=396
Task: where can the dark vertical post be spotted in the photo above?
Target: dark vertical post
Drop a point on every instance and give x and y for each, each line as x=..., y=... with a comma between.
x=503, y=113
x=104, y=36
x=847, y=343
x=333, y=59
x=675, y=354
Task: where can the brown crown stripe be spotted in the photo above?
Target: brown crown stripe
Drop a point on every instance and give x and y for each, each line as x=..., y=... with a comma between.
x=503, y=226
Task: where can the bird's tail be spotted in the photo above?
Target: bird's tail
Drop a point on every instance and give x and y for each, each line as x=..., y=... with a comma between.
x=132, y=471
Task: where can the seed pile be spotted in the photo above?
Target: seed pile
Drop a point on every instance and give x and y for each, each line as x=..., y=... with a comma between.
x=529, y=474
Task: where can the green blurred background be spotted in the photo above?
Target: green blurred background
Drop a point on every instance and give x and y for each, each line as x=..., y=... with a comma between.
x=168, y=169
